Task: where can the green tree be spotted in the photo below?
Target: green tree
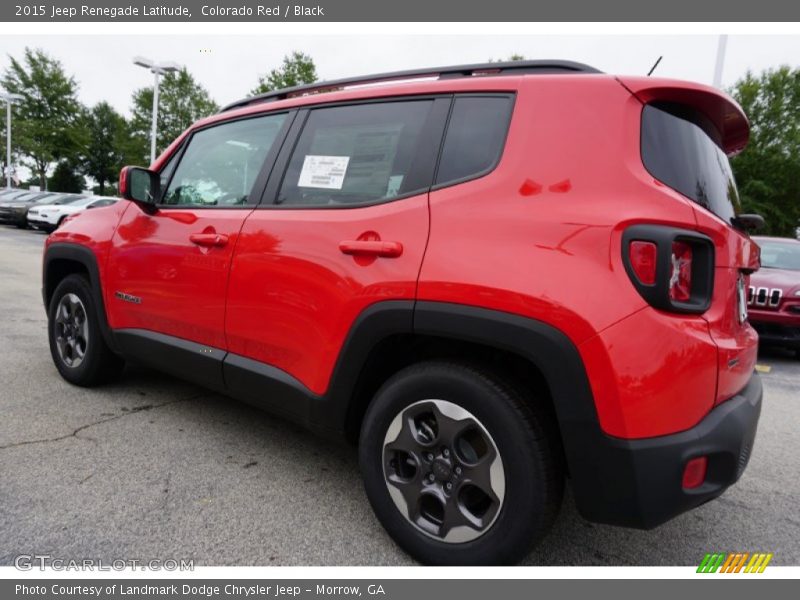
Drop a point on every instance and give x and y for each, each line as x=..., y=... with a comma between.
x=297, y=68
x=514, y=57
x=181, y=102
x=66, y=178
x=108, y=145
x=768, y=170
x=44, y=129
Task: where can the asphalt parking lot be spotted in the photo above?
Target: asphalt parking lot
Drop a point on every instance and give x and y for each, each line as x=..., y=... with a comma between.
x=155, y=468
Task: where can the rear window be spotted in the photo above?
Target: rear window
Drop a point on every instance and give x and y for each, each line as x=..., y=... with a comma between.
x=681, y=148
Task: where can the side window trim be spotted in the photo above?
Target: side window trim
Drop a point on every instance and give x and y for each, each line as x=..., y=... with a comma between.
x=430, y=143
x=261, y=179
x=178, y=156
x=473, y=176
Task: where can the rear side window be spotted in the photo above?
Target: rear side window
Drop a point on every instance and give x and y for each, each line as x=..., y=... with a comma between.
x=682, y=149
x=475, y=137
x=357, y=154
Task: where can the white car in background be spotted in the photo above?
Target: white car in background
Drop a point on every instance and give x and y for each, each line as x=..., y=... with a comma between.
x=49, y=216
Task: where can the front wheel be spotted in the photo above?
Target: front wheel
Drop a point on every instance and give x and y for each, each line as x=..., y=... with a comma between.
x=458, y=467
x=76, y=342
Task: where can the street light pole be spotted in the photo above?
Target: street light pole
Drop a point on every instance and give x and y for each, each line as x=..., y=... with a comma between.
x=157, y=69
x=722, y=46
x=9, y=99
x=153, y=131
x=8, y=145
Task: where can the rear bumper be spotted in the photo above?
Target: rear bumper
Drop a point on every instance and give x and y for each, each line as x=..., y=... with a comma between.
x=637, y=483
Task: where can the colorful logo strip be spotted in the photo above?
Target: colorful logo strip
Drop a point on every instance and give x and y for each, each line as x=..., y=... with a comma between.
x=734, y=562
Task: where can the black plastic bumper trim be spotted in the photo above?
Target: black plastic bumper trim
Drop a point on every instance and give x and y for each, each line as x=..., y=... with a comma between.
x=638, y=483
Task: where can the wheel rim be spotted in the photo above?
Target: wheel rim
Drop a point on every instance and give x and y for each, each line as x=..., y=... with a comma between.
x=71, y=330
x=443, y=471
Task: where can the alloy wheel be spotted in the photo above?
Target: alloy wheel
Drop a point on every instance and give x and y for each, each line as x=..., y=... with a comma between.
x=71, y=330
x=443, y=471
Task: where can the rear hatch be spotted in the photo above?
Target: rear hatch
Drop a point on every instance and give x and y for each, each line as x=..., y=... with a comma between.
x=688, y=132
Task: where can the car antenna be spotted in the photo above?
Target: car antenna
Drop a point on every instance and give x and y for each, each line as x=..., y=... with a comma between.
x=650, y=72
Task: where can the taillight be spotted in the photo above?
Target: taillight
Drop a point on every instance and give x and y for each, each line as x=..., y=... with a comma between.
x=680, y=275
x=643, y=261
x=673, y=269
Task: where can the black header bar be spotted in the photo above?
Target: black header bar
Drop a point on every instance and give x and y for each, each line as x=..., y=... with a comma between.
x=400, y=10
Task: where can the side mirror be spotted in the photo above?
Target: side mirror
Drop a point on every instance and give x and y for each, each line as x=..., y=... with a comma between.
x=748, y=223
x=140, y=185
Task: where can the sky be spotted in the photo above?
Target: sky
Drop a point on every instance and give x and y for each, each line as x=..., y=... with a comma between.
x=228, y=66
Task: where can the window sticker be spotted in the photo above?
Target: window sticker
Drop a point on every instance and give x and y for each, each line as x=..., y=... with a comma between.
x=325, y=172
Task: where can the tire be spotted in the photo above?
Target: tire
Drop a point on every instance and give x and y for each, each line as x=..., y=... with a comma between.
x=512, y=508
x=79, y=351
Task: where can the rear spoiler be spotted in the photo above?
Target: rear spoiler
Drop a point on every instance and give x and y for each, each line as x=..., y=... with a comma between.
x=723, y=111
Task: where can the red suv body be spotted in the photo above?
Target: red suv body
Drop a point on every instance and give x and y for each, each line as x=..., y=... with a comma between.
x=535, y=237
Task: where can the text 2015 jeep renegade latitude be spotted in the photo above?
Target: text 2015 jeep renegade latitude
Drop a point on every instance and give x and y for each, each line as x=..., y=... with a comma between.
x=493, y=278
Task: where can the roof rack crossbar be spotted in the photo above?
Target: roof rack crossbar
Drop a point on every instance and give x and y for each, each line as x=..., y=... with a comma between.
x=517, y=67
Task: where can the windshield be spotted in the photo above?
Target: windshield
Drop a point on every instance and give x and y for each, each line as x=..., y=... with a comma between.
x=780, y=255
x=67, y=200
x=681, y=148
x=63, y=200
x=82, y=202
x=53, y=199
x=29, y=197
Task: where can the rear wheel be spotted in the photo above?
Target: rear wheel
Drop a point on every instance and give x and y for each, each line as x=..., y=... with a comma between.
x=458, y=468
x=79, y=351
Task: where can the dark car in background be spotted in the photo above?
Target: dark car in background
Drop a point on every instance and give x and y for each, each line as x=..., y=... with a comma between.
x=10, y=206
x=15, y=211
x=773, y=298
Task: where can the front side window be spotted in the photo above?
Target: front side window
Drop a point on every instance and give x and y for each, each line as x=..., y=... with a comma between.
x=350, y=155
x=221, y=163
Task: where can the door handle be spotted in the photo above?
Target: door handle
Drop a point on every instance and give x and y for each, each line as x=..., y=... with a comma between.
x=372, y=248
x=209, y=239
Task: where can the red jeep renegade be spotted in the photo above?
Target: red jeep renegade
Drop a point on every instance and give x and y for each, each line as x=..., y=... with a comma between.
x=492, y=278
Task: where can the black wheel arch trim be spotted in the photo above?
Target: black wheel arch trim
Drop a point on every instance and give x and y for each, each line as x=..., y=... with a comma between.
x=83, y=256
x=558, y=360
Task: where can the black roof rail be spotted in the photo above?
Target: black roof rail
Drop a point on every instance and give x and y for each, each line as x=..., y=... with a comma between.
x=517, y=67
